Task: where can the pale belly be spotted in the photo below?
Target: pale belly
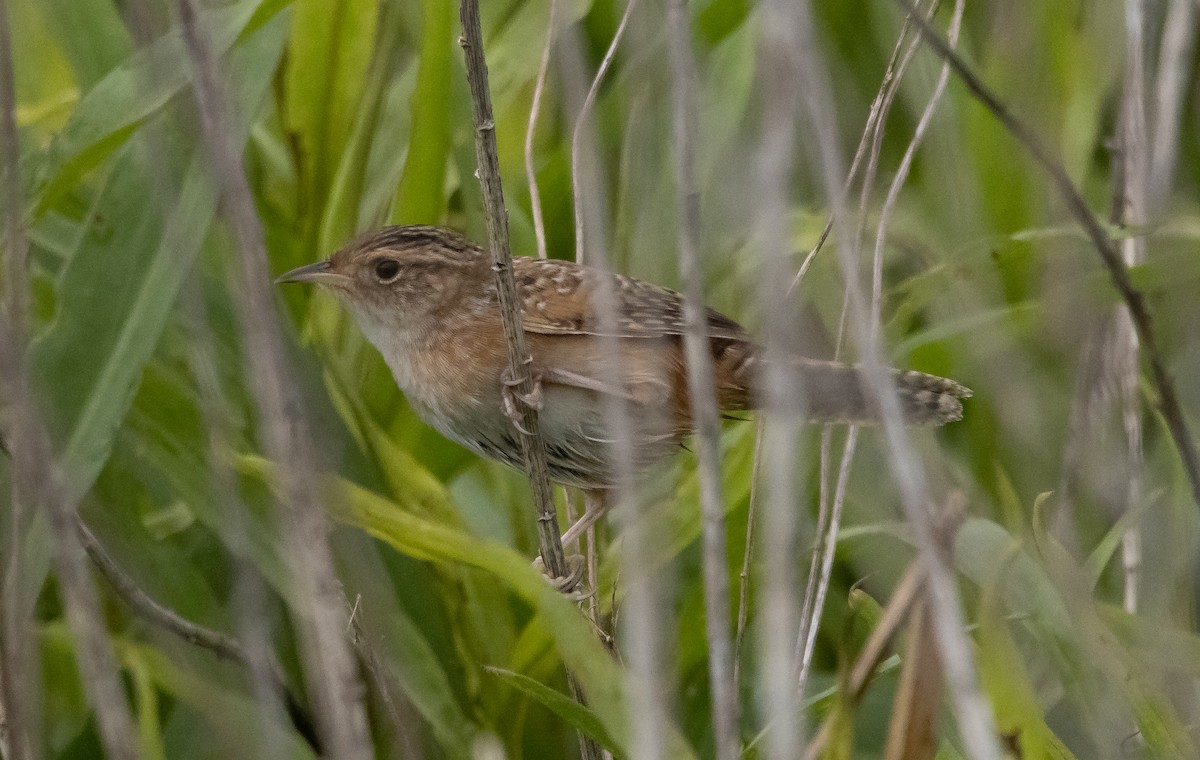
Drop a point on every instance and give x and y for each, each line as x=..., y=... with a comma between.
x=457, y=398
x=579, y=442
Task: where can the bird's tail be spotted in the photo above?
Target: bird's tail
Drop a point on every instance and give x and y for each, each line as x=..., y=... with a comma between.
x=834, y=392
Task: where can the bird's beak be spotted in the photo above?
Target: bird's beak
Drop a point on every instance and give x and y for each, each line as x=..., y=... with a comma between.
x=318, y=273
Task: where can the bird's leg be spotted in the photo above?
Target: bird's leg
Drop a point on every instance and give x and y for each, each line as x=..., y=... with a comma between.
x=511, y=396
x=595, y=506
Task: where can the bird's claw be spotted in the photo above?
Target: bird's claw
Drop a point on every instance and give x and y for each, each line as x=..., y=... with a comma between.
x=568, y=583
x=511, y=396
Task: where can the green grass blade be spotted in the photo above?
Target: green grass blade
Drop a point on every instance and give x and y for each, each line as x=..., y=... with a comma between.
x=112, y=110
x=560, y=704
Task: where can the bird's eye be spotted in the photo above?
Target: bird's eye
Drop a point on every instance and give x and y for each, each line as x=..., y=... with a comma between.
x=387, y=269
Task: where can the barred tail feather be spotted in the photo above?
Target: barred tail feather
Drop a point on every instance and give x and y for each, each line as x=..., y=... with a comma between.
x=834, y=392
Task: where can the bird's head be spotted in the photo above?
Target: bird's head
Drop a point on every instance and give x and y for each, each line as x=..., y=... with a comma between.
x=397, y=278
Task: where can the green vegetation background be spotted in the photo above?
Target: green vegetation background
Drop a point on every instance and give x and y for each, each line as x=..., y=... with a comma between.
x=355, y=113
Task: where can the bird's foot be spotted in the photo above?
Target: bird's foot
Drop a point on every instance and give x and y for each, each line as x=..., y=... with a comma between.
x=569, y=583
x=513, y=399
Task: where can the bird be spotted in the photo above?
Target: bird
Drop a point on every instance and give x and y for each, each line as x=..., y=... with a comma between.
x=426, y=297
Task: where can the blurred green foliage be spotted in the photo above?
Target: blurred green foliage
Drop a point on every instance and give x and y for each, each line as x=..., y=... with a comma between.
x=354, y=113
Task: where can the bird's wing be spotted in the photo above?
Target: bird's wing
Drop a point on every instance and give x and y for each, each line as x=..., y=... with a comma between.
x=564, y=298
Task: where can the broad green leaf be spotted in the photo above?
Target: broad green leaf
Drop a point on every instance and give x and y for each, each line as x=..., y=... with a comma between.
x=966, y=325
x=150, y=740
x=981, y=546
x=112, y=110
x=45, y=81
x=116, y=293
x=602, y=681
x=1153, y=643
x=328, y=57
x=1156, y=656
x=1107, y=546
x=63, y=699
x=514, y=48
x=419, y=198
x=406, y=652
x=91, y=34
x=343, y=213
x=236, y=720
x=560, y=704
x=576, y=642
x=1005, y=679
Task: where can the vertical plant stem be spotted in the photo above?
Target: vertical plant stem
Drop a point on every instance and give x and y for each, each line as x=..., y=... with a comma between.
x=1174, y=65
x=37, y=482
x=975, y=722
x=702, y=393
x=19, y=697
x=249, y=594
x=1133, y=158
x=335, y=690
x=829, y=513
x=644, y=620
x=807, y=640
x=781, y=392
x=532, y=445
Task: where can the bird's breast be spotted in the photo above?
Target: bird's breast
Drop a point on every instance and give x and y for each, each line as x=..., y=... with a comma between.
x=448, y=374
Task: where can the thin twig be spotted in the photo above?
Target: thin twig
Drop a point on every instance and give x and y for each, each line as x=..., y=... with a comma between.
x=876, y=301
x=335, y=690
x=220, y=644
x=377, y=675
x=583, y=120
x=808, y=639
x=539, y=86
x=892, y=74
x=872, y=166
x=5, y=745
x=809, y=610
x=702, y=392
x=38, y=482
x=642, y=620
x=249, y=593
x=910, y=152
x=1118, y=272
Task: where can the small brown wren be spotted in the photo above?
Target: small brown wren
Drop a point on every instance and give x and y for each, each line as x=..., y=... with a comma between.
x=426, y=298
